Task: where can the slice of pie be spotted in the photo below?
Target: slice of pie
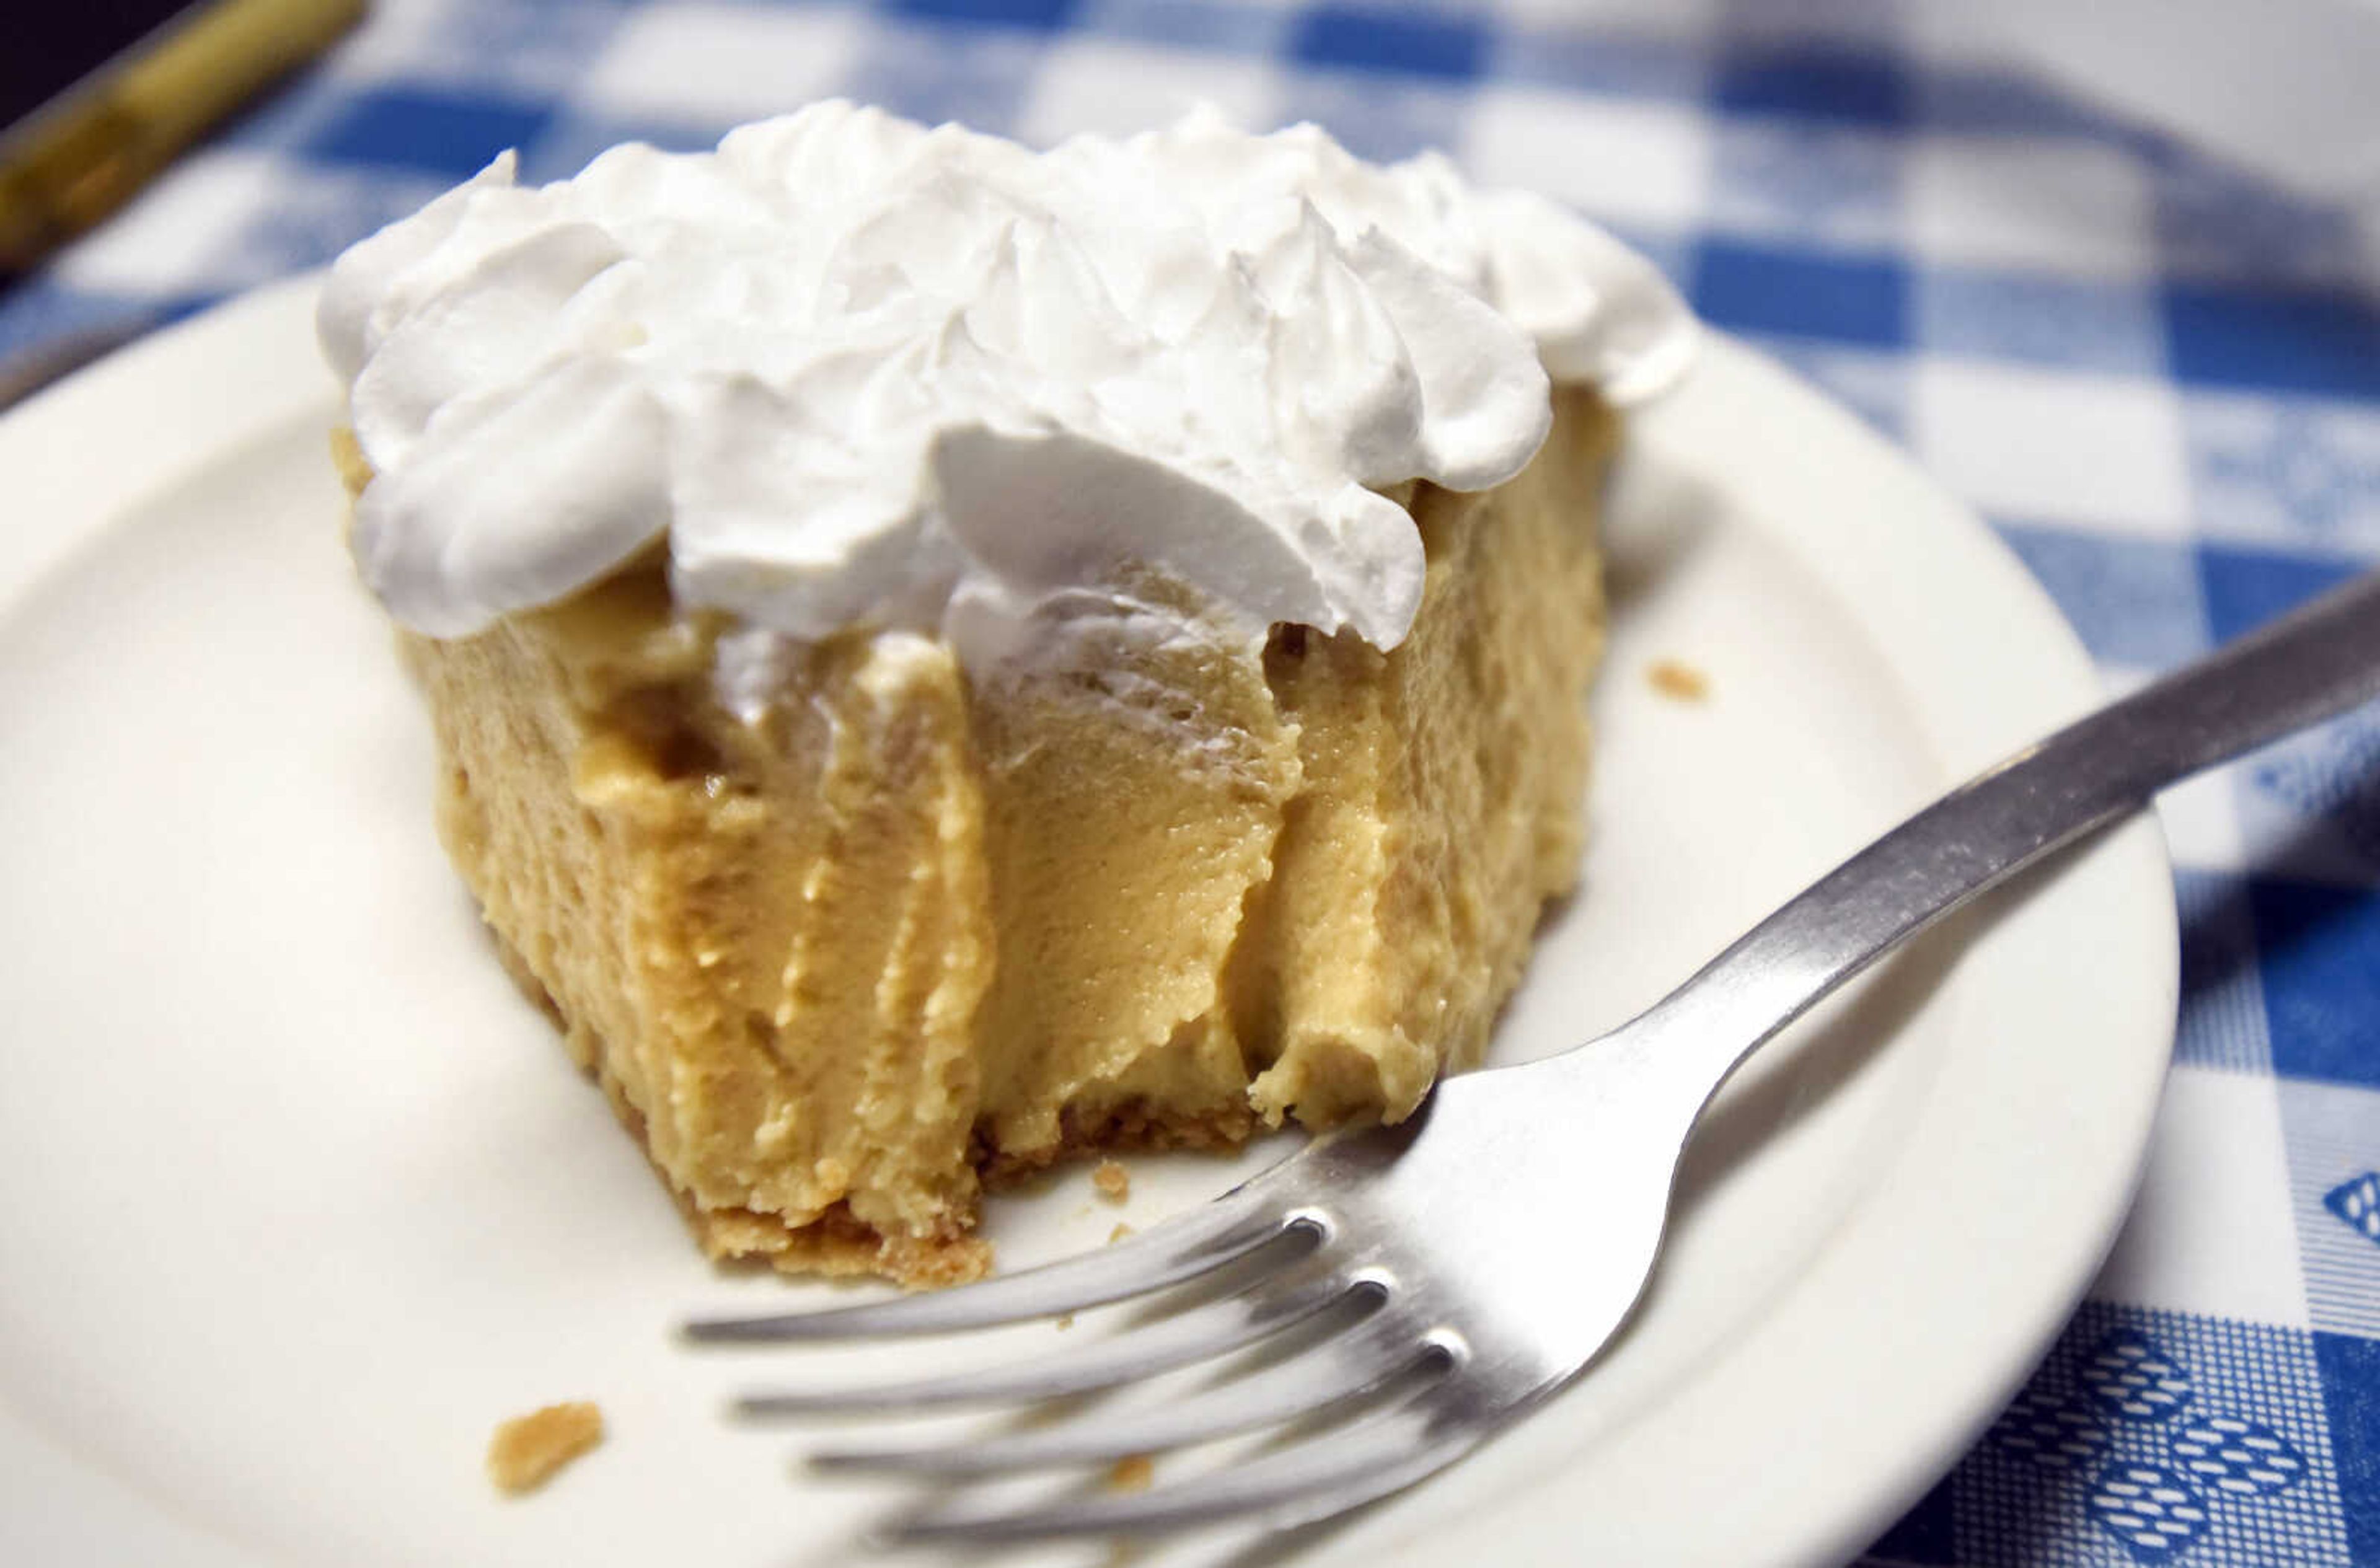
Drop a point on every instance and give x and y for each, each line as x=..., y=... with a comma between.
x=945, y=658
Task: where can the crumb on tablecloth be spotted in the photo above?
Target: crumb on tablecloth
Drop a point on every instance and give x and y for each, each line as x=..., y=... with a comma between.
x=528, y=1450
x=1112, y=1180
x=1131, y=1473
x=1121, y=1231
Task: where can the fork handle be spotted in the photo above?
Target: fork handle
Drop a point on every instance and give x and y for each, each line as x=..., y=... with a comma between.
x=2316, y=661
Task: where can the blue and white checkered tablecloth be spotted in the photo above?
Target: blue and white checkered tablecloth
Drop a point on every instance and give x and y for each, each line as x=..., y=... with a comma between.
x=2158, y=377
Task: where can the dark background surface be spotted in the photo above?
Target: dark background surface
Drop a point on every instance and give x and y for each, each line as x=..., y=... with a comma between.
x=47, y=49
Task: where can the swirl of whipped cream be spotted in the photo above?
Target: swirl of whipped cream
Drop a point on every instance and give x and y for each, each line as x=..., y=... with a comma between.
x=864, y=374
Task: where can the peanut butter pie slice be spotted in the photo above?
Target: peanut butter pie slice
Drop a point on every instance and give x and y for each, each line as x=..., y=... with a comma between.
x=946, y=658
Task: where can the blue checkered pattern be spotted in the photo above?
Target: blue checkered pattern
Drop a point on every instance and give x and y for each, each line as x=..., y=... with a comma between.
x=2160, y=377
x=2152, y=1438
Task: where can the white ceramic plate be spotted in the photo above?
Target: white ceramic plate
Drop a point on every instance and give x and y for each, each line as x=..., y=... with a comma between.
x=300, y=1198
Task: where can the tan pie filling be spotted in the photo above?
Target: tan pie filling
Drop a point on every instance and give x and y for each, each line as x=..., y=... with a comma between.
x=910, y=933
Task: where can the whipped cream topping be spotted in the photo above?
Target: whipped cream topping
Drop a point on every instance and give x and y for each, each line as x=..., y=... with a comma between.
x=859, y=373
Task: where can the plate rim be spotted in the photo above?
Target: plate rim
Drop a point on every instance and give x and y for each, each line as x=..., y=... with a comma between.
x=1930, y=1416
x=233, y=373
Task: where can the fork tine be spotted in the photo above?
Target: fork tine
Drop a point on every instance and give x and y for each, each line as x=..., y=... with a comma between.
x=1232, y=1226
x=1197, y=1334
x=1282, y=1488
x=1364, y=1360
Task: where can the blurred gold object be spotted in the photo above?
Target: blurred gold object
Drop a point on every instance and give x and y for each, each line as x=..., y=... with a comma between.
x=76, y=159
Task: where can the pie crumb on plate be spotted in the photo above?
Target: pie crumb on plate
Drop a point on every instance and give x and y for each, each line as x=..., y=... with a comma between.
x=1679, y=681
x=526, y=1450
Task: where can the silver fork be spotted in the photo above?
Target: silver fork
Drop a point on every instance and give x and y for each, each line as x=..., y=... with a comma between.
x=1437, y=1312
